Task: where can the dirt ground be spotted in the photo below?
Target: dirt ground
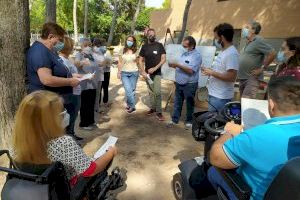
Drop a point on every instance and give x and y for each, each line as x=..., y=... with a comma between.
x=148, y=150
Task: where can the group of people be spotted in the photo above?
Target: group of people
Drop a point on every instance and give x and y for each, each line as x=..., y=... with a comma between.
x=50, y=66
x=58, y=91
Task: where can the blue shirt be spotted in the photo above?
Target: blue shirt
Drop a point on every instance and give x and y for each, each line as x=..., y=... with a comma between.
x=261, y=152
x=39, y=56
x=193, y=60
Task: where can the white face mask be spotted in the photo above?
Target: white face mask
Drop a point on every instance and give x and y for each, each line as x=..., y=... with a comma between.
x=66, y=119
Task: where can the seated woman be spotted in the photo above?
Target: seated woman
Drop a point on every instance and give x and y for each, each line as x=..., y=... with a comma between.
x=39, y=138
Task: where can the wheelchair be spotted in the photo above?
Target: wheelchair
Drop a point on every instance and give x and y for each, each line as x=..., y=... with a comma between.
x=191, y=182
x=49, y=182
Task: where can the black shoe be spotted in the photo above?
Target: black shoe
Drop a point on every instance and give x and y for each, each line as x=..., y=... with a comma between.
x=77, y=138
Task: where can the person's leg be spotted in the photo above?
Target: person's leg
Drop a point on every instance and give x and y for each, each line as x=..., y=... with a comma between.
x=215, y=104
x=105, y=87
x=178, y=102
x=151, y=96
x=242, y=84
x=91, y=103
x=157, y=93
x=251, y=88
x=128, y=88
x=189, y=96
x=84, y=109
x=98, y=100
x=133, y=81
x=216, y=179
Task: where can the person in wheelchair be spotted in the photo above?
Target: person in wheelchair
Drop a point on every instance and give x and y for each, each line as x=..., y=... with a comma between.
x=259, y=153
x=39, y=139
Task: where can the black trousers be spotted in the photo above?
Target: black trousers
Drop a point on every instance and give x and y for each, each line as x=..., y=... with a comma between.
x=87, y=107
x=104, y=87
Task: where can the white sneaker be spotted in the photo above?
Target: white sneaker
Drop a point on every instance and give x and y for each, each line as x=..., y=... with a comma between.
x=188, y=126
x=171, y=124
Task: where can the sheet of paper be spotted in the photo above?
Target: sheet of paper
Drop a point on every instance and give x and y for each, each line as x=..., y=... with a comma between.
x=109, y=142
x=87, y=76
x=254, y=112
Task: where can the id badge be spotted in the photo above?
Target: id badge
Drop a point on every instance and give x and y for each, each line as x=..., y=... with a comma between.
x=154, y=52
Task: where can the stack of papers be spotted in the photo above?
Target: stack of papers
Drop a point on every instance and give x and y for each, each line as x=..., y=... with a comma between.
x=254, y=112
x=102, y=150
x=87, y=76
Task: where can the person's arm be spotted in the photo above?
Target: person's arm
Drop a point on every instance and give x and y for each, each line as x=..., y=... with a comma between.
x=217, y=157
x=269, y=59
x=46, y=77
x=120, y=65
x=162, y=61
x=184, y=68
x=228, y=76
x=103, y=161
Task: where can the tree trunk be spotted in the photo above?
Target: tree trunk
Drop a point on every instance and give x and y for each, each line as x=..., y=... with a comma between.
x=136, y=14
x=51, y=11
x=86, y=9
x=75, y=21
x=113, y=23
x=184, y=21
x=14, y=40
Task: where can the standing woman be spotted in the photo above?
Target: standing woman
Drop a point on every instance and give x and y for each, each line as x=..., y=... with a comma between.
x=128, y=71
x=75, y=98
x=85, y=63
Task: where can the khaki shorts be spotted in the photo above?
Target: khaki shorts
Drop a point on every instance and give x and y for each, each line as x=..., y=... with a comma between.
x=249, y=87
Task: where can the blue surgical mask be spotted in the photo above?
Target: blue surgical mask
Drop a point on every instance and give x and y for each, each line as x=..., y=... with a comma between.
x=281, y=57
x=245, y=32
x=103, y=49
x=59, y=46
x=129, y=43
x=217, y=44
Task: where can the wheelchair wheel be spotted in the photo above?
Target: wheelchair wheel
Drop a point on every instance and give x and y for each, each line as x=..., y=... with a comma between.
x=178, y=187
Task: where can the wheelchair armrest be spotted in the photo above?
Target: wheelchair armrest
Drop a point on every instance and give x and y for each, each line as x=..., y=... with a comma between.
x=236, y=183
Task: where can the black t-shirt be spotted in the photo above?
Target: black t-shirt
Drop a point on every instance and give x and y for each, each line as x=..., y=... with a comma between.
x=152, y=54
x=39, y=56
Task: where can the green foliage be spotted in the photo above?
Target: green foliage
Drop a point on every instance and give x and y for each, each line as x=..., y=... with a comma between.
x=166, y=4
x=99, y=19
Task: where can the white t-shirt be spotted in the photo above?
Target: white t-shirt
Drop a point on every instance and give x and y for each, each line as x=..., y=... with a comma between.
x=226, y=60
x=129, y=61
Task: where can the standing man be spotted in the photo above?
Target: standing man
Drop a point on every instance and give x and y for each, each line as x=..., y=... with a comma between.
x=154, y=55
x=187, y=75
x=224, y=69
x=255, y=58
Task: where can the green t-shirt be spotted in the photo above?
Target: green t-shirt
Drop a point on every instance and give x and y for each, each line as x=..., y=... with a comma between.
x=252, y=56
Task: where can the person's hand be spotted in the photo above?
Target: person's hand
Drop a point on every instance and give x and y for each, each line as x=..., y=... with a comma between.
x=152, y=70
x=207, y=71
x=77, y=75
x=74, y=82
x=85, y=62
x=119, y=75
x=173, y=65
x=113, y=149
x=257, y=72
x=144, y=74
x=233, y=129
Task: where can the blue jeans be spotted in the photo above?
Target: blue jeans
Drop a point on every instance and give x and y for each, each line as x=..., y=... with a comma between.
x=184, y=92
x=129, y=80
x=216, y=104
x=216, y=180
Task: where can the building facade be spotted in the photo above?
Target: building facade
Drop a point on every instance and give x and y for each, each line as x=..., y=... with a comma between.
x=279, y=18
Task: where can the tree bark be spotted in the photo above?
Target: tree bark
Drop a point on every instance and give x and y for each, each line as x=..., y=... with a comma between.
x=75, y=21
x=14, y=40
x=136, y=14
x=51, y=11
x=184, y=21
x=113, y=23
x=86, y=9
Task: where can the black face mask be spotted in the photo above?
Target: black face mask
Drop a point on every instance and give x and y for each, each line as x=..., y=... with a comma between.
x=152, y=38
